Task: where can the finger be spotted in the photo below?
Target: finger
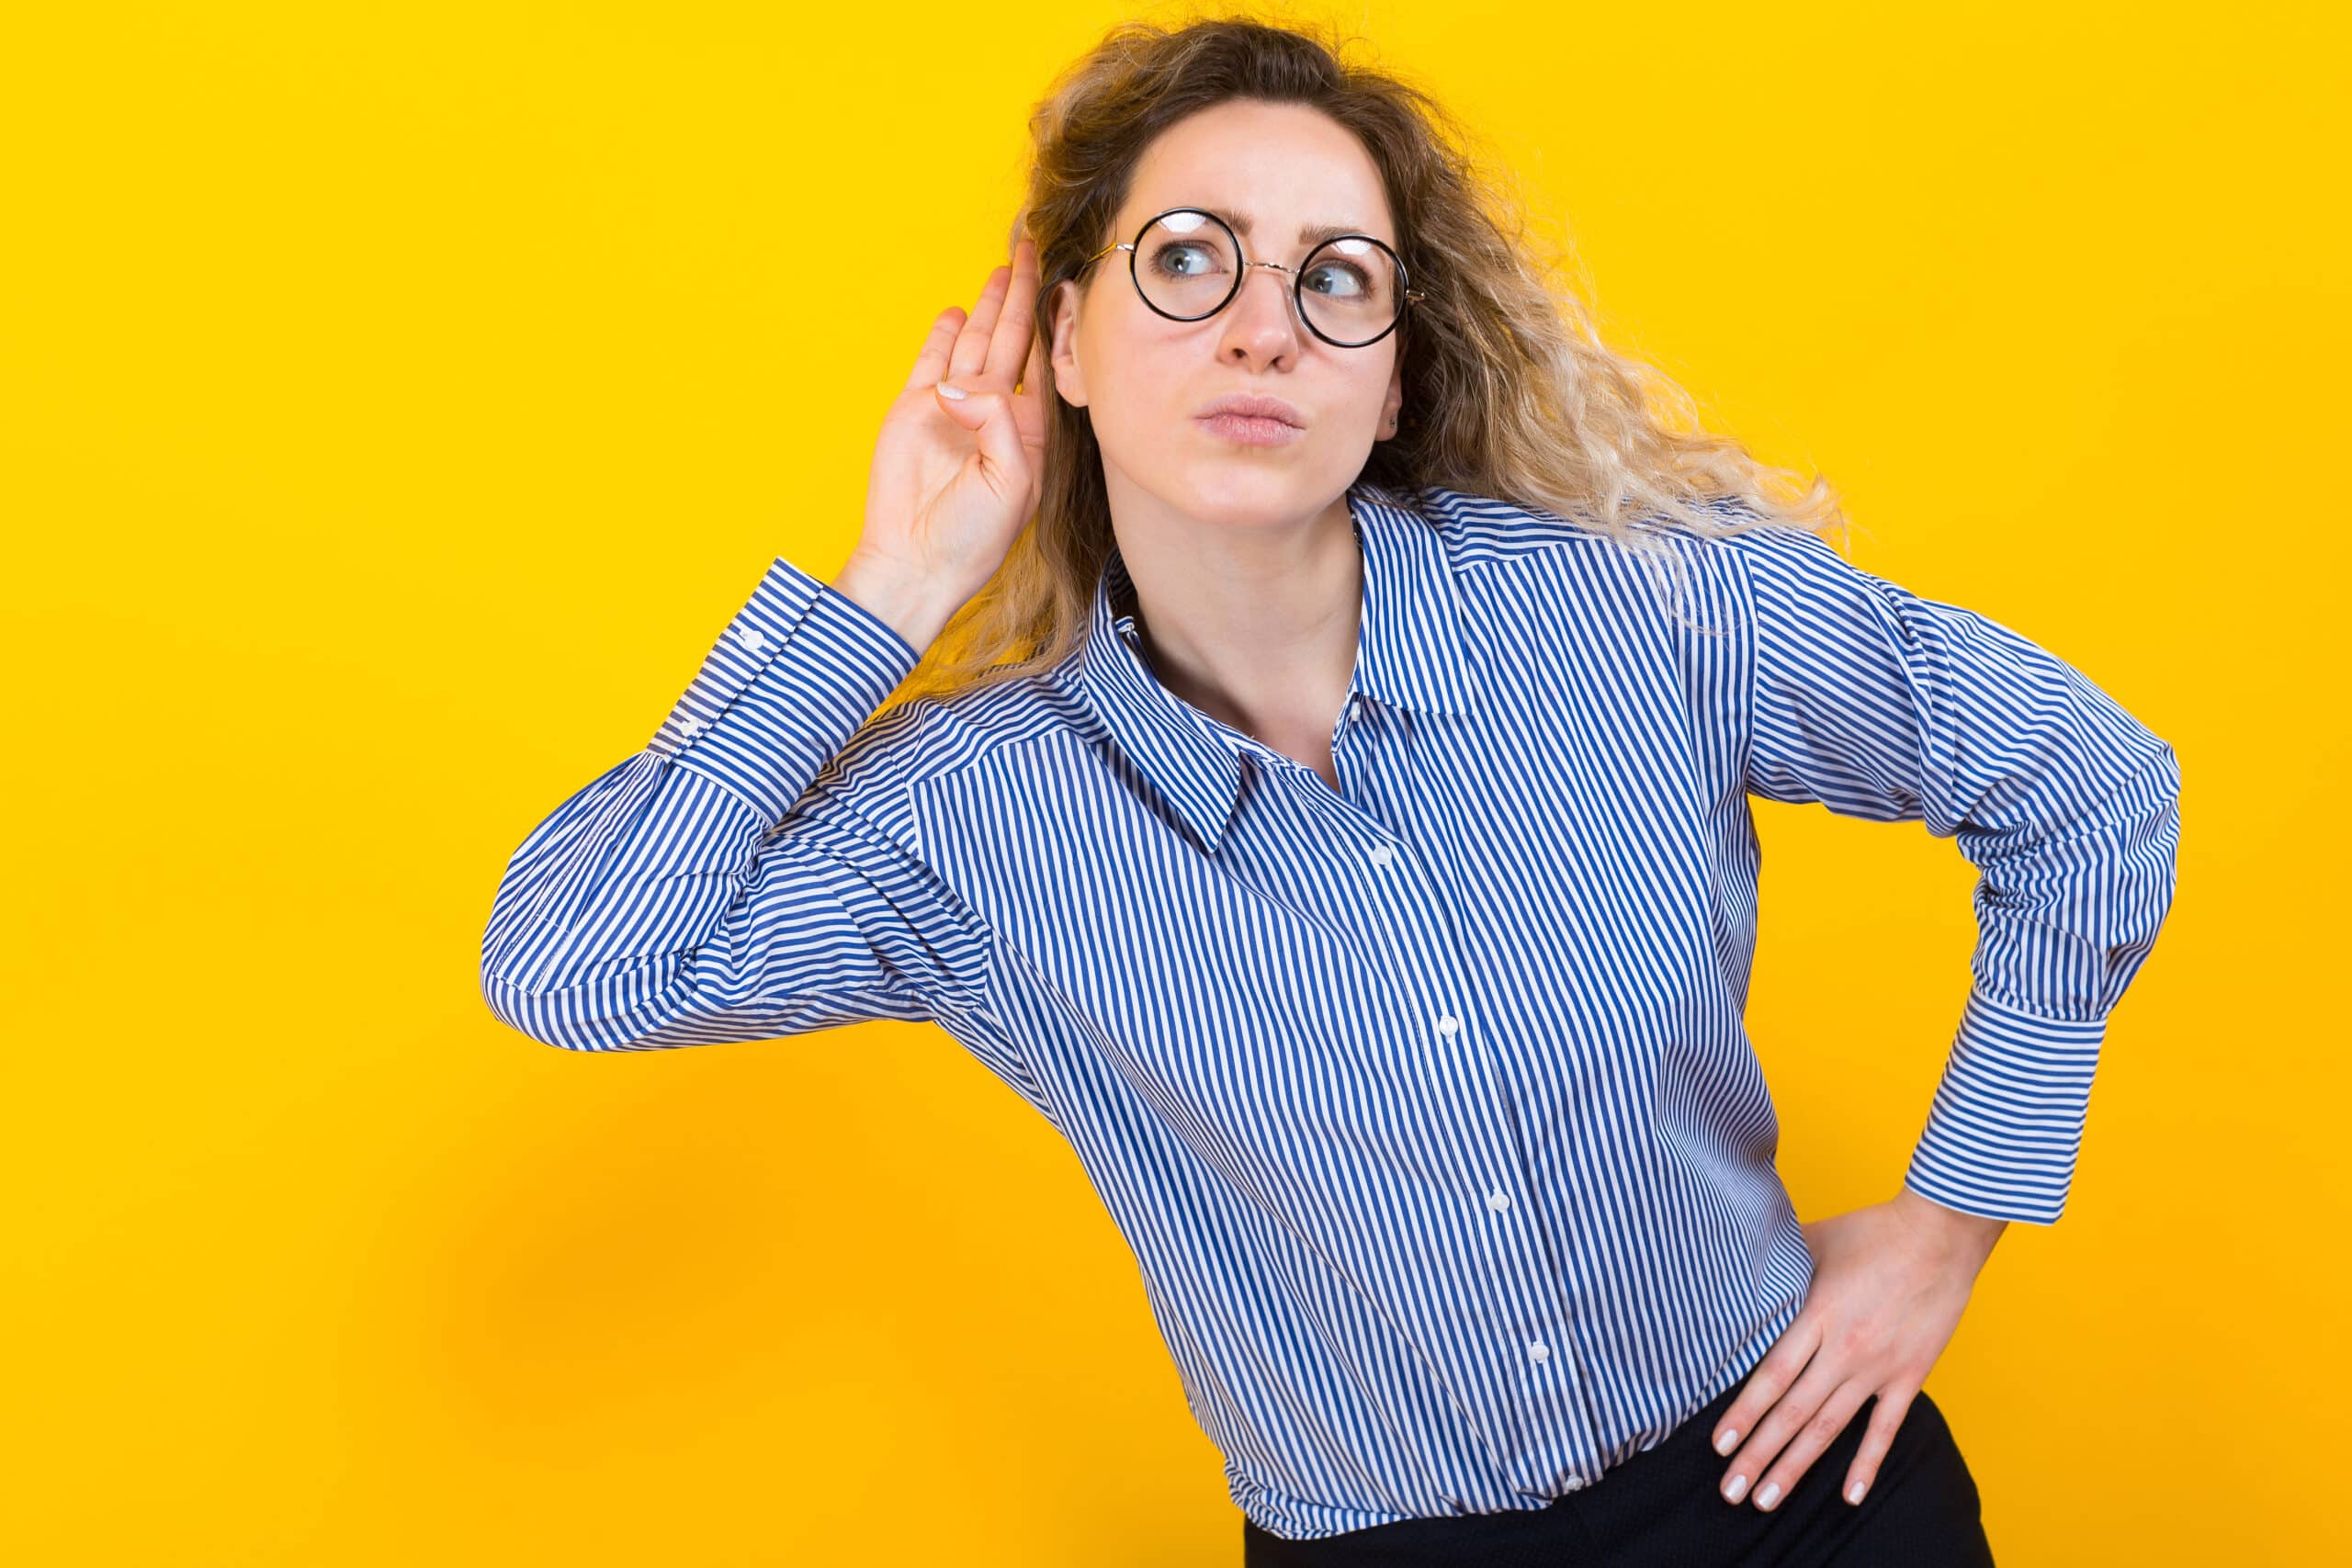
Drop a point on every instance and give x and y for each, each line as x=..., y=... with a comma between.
x=1033, y=369
x=1770, y=1378
x=1817, y=1433
x=971, y=352
x=1029, y=409
x=1783, y=1421
x=1886, y=1417
x=1016, y=321
x=931, y=360
x=1777, y=1426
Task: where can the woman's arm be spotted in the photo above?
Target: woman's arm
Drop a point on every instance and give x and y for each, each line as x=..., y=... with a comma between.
x=1881, y=704
x=701, y=891
x=713, y=887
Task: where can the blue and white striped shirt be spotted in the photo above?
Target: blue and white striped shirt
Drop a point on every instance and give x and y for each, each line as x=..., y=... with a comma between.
x=1426, y=1104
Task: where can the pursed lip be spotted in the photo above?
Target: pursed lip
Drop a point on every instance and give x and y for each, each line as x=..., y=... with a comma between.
x=1254, y=405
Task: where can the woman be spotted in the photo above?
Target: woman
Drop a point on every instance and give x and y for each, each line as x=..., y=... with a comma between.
x=1324, y=796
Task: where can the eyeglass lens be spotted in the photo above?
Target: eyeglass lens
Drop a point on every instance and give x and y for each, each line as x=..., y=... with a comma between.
x=1186, y=265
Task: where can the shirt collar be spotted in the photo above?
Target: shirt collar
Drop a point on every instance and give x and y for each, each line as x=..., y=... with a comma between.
x=1409, y=654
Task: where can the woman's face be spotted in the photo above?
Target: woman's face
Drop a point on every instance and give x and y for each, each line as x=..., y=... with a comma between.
x=1144, y=378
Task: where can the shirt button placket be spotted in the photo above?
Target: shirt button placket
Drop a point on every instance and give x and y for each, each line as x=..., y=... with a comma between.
x=1447, y=1026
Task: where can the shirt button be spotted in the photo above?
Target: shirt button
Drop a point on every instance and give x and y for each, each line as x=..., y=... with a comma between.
x=1539, y=1351
x=692, y=728
x=1499, y=1200
x=1382, y=854
x=1356, y=707
x=1448, y=1024
x=751, y=637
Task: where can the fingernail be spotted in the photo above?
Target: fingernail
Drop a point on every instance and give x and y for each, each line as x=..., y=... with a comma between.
x=1738, y=1486
x=1767, y=1494
x=1725, y=1443
x=947, y=392
x=1854, y=1494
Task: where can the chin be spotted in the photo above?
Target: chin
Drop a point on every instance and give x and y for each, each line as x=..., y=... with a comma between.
x=1246, y=486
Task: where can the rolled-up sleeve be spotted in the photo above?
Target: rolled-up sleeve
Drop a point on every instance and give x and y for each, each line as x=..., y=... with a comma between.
x=1879, y=704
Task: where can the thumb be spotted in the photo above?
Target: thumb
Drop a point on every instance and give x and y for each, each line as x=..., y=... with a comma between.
x=961, y=402
x=989, y=416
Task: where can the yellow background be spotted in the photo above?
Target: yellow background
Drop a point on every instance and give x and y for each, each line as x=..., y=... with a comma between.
x=395, y=403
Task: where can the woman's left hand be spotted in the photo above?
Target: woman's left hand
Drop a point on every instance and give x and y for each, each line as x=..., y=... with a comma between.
x=1888, y=1286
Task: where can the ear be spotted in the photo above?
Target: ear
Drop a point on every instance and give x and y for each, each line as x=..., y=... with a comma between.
x=1061, y=312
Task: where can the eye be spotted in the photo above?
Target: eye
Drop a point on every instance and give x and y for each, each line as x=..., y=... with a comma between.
x=1184, y=258
x=1341, y=280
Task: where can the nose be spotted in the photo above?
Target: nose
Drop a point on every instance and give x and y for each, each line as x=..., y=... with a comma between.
x=1274, y=281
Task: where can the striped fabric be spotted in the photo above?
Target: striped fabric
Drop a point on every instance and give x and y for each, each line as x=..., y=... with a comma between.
x=1426, y=1105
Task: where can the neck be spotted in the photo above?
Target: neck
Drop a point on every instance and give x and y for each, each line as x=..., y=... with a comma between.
x=1256, y=626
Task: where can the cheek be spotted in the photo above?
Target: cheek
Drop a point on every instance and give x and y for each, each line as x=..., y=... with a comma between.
x=1135, y=392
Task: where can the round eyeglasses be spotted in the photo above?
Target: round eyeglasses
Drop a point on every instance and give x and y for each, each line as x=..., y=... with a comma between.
x=1188, y=264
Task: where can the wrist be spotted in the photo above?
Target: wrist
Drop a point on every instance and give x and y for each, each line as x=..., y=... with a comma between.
x=902, y=600
x=1957, y=1231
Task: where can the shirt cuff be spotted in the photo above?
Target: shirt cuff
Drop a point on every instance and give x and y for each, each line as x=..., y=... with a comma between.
x=798, y=670
x=2007, y=1118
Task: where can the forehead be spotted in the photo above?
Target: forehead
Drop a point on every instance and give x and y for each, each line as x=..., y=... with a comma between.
x=1279, y=173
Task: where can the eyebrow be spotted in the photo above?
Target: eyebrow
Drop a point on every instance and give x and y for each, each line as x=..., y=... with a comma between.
x=1309, y=234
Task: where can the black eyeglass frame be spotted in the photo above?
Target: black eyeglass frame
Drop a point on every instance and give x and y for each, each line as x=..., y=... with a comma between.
x=1408, y=296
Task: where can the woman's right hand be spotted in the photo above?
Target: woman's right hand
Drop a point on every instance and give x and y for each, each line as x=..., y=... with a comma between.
x=954, y=480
